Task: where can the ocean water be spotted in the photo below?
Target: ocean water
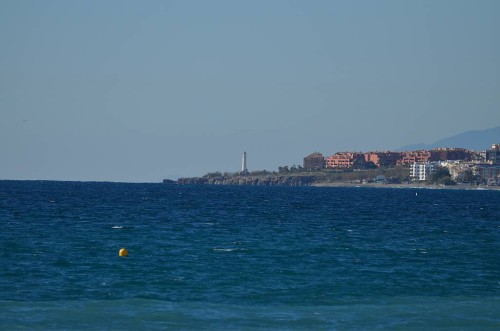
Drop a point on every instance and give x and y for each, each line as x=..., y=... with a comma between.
x=247, y=258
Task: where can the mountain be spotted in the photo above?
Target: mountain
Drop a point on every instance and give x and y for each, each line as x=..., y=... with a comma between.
x=478, y=140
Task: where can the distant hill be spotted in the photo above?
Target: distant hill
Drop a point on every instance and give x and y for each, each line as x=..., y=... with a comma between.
x=476, y=139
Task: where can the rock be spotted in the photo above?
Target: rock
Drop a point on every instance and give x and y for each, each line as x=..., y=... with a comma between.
x=249, y=180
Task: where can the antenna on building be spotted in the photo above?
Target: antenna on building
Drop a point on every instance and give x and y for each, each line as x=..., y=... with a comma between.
x=244, y=169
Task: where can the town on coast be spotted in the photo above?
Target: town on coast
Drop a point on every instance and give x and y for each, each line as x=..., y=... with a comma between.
x=436, y=168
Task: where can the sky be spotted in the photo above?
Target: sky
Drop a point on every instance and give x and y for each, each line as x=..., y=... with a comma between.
x=139, y=91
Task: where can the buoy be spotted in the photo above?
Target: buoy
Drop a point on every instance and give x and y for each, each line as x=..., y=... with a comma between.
x=123, y=252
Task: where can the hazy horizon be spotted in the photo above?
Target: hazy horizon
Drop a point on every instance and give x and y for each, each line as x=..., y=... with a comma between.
x=137, y=92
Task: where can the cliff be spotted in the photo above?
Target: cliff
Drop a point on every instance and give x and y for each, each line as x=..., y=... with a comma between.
x=299, y=178
x=250, y=180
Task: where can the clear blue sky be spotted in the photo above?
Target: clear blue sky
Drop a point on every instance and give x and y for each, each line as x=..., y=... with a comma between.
x=145, y=90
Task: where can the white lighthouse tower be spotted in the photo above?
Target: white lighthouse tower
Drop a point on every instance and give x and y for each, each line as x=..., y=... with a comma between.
x=244, y=169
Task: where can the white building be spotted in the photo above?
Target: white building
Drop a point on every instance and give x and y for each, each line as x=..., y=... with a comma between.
x=422, y=170
x=244, y=169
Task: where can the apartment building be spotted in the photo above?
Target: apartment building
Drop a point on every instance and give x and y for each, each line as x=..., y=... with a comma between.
x=314, y=161
x=382, y=159
x=411, y=157
x=450, y=154
x=344, y=160
x=493, y=155
x=422, y=170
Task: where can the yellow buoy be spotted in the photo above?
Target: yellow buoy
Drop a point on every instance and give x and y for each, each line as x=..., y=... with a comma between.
x=123, y=252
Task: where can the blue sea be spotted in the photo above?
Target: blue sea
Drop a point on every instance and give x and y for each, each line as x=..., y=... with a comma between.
x=247, y=258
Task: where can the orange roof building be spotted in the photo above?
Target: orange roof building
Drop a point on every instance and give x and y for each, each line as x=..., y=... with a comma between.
x=344, y=160
x=314, y=161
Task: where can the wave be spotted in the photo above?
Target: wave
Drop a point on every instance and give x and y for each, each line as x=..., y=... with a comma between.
x=228, y=249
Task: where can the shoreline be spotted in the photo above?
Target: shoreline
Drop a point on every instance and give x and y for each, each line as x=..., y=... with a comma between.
x=312, y=181
x=409, y=186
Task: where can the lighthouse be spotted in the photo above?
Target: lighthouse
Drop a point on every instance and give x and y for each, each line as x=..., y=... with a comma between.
x=244, y=169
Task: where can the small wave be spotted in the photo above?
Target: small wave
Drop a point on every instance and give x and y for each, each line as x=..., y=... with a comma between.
x=117, y=227
x=224, y=249
x=228, y=249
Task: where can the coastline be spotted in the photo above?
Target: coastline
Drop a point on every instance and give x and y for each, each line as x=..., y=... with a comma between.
x=317, y=181
x=409, y=186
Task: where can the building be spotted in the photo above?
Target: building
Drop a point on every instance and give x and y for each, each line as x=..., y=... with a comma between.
x=244, y=169
x=489, y=174
x=344, y=160
x=314, y=161
x=493, y=155
x=450, y=154
x=408, y=158
x=422, y=170
x=383, y=159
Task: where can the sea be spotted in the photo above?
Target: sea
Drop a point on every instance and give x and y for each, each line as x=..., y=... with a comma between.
x=247, y=257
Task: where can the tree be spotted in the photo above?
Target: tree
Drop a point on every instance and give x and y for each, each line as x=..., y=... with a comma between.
x=213, y=174
x=441, y=176
x=469, y=177
x=370, y=165
x=259, y=172
x=283, y=169
x=359, y=163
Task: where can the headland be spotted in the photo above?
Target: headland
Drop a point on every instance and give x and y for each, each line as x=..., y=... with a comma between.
x=437, y=168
